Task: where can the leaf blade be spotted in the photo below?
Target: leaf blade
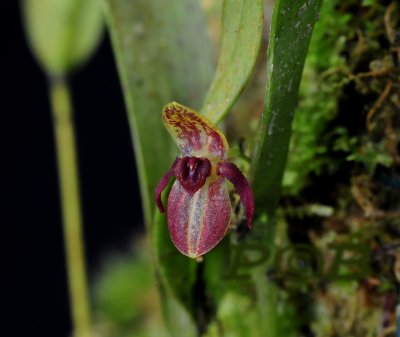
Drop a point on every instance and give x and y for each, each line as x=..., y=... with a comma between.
x=158, y=62
x=242, y=29
x=290, y=34
x=289, y=38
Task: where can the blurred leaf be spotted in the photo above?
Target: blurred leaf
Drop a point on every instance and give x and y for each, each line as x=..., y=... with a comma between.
x=242, y=28
x=62, y=33
x=163, y=55
x=215, y=270
x=238, y=314
x=125, y=297
x=178, y=320
x=236, y=318
x=123, y=290
x=159, y=61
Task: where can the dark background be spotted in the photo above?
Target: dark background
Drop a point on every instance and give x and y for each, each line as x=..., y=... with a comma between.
x=35, y=295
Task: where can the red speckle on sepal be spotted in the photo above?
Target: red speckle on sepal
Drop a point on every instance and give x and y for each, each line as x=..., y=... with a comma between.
x=193, y=133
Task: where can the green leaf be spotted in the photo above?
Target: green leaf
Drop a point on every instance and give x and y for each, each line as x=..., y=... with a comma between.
x=242, y=28
x=292, y=26
x=318, y=96
x=163, y=54
x=289, y=38
x=62, y=33
x=159, y=61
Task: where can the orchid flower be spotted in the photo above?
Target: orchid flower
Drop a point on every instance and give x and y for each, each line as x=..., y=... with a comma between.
x=199, y=209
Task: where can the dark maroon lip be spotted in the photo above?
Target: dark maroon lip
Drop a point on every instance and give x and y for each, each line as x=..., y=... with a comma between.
x=192, y=172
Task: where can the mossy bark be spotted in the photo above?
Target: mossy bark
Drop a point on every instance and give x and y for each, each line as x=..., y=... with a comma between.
x=342, y=181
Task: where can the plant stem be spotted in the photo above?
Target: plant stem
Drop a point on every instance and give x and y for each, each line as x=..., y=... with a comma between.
x=291, y=29
x=71, y=210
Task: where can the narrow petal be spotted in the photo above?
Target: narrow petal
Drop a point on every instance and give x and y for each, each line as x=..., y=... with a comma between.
x=231, y=172
x=163, y=184
x=194, y=134
x=198, y=222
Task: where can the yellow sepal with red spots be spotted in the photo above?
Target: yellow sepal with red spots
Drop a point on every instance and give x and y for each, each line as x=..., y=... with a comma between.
x=194, y=134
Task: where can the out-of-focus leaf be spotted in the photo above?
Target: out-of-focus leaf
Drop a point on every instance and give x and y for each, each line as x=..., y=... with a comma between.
x=163, y=55
x=238, y=315
x=242, y=27
x=179, y=321
x=62, y=33
x=235, y=318
x=125, y=297
x=215, y=270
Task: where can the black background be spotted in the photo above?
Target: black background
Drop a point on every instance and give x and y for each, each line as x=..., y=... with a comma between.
x=35, y=295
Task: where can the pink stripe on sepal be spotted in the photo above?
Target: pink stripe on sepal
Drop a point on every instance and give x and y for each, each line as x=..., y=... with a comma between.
x=231, y=172
x=197, y=222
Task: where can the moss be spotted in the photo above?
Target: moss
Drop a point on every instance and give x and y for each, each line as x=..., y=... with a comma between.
x=318, y=99
x=344, y=156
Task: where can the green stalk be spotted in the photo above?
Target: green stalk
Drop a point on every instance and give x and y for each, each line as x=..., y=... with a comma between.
x=71, y=210
x=289, y=38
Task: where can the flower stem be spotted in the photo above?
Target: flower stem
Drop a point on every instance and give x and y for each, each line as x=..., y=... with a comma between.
x=71, y=210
